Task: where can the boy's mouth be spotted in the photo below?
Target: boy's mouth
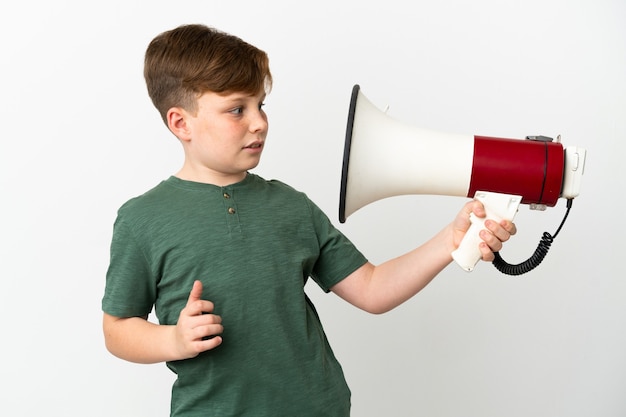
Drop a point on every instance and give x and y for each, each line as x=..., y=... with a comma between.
x=255, y=145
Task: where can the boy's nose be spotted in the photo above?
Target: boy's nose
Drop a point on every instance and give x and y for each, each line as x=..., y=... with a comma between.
x=258, y=122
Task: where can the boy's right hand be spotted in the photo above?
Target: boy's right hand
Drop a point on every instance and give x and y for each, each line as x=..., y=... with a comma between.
x=197, y=329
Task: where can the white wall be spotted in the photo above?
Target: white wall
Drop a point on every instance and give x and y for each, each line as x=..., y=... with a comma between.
x=80, y=137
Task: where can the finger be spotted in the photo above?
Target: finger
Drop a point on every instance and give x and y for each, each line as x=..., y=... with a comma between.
x=210, y=330
x=477, y=208
x=196, y=293
x=491, y=240
x=510, y=227
x=195, y=304
x=462, y=221
x=209, y=319
x=499, y=230
x=486, y=252
x=208, y=344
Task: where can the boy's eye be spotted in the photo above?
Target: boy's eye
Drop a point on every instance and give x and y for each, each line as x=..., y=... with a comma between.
x=240, y=109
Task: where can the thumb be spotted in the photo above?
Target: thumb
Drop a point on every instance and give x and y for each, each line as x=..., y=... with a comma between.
x=196, y=293
x=477, y=208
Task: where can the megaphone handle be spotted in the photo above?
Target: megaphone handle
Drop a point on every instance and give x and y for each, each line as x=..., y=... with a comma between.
x=498, y=207
x=467, y=254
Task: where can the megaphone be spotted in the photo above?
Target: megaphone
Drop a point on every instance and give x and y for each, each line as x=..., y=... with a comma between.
x=384, y=158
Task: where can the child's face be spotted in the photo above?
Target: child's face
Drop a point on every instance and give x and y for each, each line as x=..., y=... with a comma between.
x=227, y=135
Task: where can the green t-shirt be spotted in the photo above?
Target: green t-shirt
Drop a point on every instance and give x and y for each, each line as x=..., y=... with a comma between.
x=253, y=245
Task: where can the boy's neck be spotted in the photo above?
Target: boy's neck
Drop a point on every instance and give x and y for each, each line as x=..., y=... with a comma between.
x=218, y=179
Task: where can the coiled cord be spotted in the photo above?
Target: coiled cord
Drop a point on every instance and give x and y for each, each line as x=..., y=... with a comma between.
x=537, y=257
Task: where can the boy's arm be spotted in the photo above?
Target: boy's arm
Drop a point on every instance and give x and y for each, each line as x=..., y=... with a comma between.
x=378, y=289
x=135, y=339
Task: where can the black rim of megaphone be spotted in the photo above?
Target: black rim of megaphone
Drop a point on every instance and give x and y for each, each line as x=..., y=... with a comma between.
x=346, y=154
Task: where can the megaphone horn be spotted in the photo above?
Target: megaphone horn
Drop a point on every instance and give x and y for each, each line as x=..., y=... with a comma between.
x=384, y=157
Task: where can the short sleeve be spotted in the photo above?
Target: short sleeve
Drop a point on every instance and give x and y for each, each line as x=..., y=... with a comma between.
x=130, y=289
x=338, y=256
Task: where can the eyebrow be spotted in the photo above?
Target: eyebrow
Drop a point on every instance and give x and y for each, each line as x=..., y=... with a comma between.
x=236, y=97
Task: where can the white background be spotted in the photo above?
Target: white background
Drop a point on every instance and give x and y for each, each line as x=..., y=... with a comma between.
x=80, y=137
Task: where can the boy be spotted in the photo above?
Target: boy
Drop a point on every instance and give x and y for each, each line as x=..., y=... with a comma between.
x=215, y=242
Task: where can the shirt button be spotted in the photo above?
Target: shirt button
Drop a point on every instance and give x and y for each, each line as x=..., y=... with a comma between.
x=231, y=210
x=226, y=196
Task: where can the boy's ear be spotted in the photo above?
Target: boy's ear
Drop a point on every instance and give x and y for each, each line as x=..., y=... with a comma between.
x=177, y=123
